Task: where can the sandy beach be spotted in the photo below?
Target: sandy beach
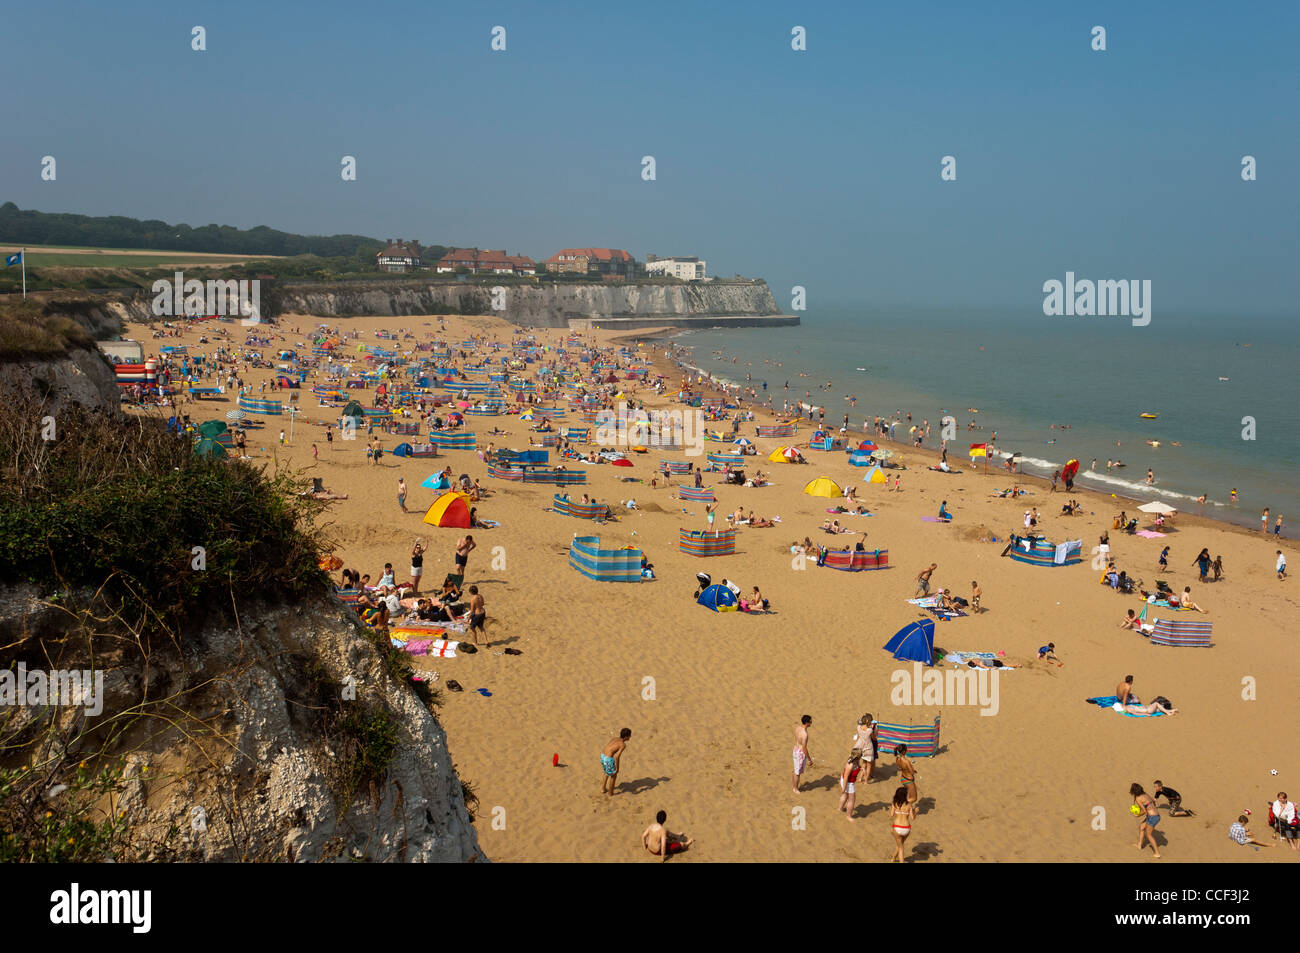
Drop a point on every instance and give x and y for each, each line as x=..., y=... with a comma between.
x=712, y=699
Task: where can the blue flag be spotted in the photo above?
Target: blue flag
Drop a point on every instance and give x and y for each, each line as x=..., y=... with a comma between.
x=14, y=259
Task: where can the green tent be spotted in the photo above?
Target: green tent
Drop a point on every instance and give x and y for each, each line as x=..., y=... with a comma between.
x=207, y=447
x=353, y=409
x=212, y=428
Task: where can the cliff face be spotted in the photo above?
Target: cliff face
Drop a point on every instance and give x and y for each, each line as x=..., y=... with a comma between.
x=81, y=377
x=540, y=305
x=233, y=731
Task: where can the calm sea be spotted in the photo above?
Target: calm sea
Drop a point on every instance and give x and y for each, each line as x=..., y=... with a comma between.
x=1025, y=373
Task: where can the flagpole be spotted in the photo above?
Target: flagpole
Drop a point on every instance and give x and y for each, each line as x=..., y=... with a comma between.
x=23, y=261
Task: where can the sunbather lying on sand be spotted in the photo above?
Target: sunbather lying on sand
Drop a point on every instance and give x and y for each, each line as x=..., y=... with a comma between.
x=1160, y=703
x=833, y=526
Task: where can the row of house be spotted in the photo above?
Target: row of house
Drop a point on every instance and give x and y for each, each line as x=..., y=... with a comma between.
x=607, y=263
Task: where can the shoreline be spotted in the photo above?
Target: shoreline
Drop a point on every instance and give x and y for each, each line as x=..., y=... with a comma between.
x=1025, y=474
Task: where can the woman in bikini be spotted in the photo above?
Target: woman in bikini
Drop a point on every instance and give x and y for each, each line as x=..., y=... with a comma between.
x=848, y=779
x=900, y=822
x=906, y=772
x=1150, y=817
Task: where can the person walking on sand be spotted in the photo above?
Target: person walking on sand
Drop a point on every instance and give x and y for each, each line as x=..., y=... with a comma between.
x=477, y=616
x=923, y=581
x=906, y=772
x=976, y=594
x=848, y=783
x=1202, y=563
x=401, y=494
x=802, y=759
x=329, y=437
x=1277, y=527
x=1281, y=565
x=661, y=842
x=1149, y=817
x=901, y=814
x=611, y=757
x=865, y=742
x=315, y=454
x=1164, y=559
x=464, y=546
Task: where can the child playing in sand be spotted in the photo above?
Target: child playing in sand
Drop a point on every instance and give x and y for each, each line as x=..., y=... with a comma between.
x=662, y=842
x=1240, y=833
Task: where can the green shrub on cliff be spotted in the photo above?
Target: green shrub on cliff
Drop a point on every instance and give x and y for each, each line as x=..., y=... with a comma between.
x=124, y=508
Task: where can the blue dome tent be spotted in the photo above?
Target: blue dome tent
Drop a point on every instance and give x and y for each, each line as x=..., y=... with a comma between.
x=718, y=598
x=914, y=642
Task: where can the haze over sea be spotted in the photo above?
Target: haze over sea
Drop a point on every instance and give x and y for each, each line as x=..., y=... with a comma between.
x=1026, y=372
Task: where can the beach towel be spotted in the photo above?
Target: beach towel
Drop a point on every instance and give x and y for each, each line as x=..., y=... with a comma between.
x=1150, y=534
x=945, y=613
x=961, y=658
x=1110, y=701
x=933, y=519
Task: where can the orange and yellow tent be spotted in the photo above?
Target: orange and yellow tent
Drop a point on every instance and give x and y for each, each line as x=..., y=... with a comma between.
x=450, y=509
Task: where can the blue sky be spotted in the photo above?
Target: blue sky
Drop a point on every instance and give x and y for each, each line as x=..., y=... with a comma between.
x=818, y=168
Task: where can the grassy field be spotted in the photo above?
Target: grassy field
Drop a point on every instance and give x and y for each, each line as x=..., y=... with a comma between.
x=50, y=256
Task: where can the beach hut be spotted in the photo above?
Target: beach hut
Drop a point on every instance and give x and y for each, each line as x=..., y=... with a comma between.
x=604, y=565
x=450, y=509
x=823, y=486
x=914, y=642
x=694, y=542
x=875, y=475
x=718, y=598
